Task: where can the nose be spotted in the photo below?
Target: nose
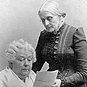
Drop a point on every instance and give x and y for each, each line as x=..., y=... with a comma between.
x=26, y=63
x=46, y=22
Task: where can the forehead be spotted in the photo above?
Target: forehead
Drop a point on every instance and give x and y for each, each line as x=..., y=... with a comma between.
x=44, y=14
x=23, y=53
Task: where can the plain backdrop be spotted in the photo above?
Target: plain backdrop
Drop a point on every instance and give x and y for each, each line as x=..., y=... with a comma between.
x=19, y=19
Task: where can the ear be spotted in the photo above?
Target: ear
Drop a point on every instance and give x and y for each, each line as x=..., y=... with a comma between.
x=10, y=64
x=62, y=19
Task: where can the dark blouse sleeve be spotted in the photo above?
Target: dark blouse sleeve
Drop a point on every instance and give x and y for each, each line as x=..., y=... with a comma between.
x=80, y=51
x=39, y=63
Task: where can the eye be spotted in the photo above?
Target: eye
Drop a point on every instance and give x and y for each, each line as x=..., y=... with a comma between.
x=49, y=18
x=21, y=58
x=30, y=58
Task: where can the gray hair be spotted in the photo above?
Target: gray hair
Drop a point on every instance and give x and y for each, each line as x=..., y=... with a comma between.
x=52, y=7
x=16, y=46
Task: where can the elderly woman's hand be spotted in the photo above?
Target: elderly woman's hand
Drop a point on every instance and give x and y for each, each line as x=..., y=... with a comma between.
x=57, y=83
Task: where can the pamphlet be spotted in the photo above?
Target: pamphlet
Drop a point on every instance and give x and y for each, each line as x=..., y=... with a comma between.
x=45, y=78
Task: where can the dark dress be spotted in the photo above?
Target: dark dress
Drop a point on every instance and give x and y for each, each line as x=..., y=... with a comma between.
x=66, y=51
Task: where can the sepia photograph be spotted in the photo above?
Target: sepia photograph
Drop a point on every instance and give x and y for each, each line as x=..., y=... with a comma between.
x=43, y=43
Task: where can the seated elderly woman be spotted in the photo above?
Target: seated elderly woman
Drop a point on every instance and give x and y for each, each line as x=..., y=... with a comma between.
x=18, y=73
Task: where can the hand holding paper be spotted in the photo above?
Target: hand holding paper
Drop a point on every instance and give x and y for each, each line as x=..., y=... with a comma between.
x=45, y=78
x=57, y=83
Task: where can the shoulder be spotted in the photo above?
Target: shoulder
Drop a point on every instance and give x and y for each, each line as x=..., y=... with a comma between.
x=80, y=30
x=69, y=29
x=72, y=28
x=2, y=78
x=4, y=75
x=43, y=33
x=3, y=72
x=76, y=31
x=80, y=33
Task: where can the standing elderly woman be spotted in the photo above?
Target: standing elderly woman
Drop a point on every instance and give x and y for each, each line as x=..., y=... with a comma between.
x=18, y=73
x=64, y=47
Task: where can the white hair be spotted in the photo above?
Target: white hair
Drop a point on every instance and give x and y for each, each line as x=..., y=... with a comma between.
x=16, y=46
x=52, y=7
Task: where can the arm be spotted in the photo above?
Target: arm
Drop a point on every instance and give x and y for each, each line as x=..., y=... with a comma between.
x=80, y=51
x=39, y=63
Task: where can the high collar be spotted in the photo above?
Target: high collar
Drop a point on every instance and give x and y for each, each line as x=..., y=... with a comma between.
x=60, y=29
x=55, y=33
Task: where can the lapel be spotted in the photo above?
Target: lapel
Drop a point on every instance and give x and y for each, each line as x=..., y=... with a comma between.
x=66, y=38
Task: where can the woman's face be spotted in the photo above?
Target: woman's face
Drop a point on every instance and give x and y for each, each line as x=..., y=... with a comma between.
x=22, y=63
x=50, y=21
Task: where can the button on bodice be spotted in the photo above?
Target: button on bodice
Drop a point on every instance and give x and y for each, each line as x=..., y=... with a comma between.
x=51, y=45
x=50, y=48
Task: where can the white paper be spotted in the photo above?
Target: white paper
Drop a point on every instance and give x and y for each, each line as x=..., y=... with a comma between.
x=42, y=84
x=45, y=78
